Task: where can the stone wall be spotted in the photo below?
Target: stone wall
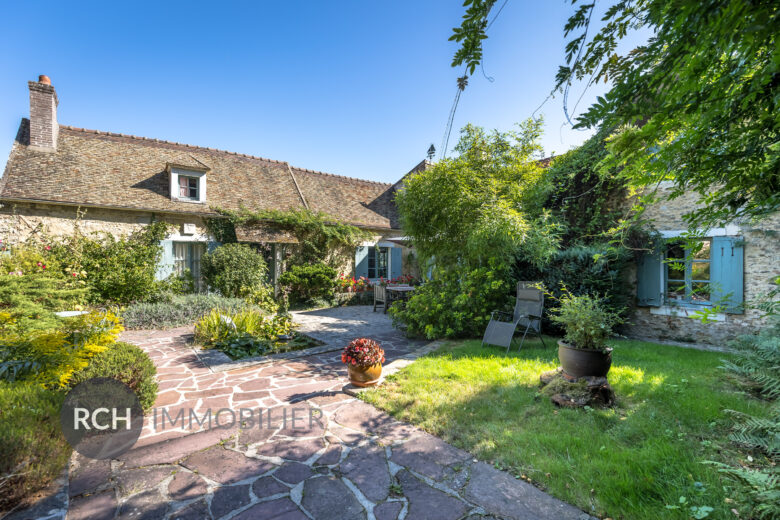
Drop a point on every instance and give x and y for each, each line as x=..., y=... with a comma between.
x=20, y=221
x=762, y=266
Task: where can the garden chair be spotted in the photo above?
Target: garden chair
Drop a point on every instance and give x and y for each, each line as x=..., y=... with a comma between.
x=380, y=297
x=529, y=304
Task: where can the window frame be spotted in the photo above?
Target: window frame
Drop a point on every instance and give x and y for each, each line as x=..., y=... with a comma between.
x=176, y=174
x=372, y=256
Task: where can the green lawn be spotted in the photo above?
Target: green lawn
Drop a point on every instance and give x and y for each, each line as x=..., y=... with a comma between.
x=628, y=462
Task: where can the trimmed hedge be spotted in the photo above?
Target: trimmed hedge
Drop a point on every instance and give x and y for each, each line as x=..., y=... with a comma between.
x=128, y=364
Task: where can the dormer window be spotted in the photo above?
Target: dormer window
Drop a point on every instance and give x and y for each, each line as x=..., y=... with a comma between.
x=187, y=185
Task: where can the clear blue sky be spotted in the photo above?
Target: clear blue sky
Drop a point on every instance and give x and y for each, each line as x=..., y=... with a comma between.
x=354, y=88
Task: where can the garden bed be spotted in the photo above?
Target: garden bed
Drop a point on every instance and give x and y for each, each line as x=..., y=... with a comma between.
x=218, y=361
x=643, y=459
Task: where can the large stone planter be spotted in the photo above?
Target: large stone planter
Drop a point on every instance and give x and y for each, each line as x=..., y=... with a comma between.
x=578, y=363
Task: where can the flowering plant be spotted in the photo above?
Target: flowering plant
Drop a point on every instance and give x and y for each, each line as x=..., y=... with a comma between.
x=350, y=284
x=363, y=352
x=404, y=279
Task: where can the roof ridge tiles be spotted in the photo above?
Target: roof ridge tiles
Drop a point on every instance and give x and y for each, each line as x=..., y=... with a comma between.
x=175, y=143
x=317, y=172
x=165, y=141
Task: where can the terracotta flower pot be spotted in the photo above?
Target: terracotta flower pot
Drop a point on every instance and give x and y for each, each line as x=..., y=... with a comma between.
x=364, y=376
x=578, y=362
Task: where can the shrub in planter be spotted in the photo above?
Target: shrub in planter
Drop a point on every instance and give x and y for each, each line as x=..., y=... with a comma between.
x=309, y=281
x=364, y=358
x=128, y=364
x=587, y=325
x=234, y=269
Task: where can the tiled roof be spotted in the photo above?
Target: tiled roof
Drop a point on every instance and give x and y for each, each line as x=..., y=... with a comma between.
x=94, y=168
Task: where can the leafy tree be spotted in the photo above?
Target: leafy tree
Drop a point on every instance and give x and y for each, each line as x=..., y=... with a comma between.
x=696, y=105
x=481, y=204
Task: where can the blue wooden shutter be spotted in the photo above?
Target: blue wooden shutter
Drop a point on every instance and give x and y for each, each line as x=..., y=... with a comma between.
x=649, y=280
x=361, y=261
x=396, y=262
x=726, y=276
x=213, y=244
x=165, y=267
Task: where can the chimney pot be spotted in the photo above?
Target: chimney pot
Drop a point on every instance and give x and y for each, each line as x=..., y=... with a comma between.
x=43, y=78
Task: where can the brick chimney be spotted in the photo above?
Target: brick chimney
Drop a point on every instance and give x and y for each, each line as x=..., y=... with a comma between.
x=43, y=115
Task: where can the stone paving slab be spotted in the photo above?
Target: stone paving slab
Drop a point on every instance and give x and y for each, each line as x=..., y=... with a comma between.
x=310, y=451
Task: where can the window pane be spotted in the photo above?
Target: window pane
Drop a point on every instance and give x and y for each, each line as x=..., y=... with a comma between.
x=676, y=251
x=382, y=262
x=183, y=192
x=700, y=292
x=700, y=271
x=676, y=270
x=180, y=257
x=675, y=290
x=704, y=252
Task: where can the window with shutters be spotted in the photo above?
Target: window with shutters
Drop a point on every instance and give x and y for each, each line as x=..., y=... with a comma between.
x=711, y=273
x=688, y=273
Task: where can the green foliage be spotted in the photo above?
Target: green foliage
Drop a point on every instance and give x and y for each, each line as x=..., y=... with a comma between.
x=593, y=269
x=589, y=199
x=471, y=33
x=710, y=122
x=309, y=281
x=586, y=322
x=128, y=364
x=320, y=237
x=234, y=269
x=456, y=303
x=263, y=298
x=32, y=448
x=120, y=270
x=757, y=368
x=33, y=287
x=703, y=87
x=176, y=310
x=51, y=357
x=243, y=333
x=485, y=204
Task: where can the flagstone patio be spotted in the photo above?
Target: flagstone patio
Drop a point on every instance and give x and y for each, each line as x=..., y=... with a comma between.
x=316, y=452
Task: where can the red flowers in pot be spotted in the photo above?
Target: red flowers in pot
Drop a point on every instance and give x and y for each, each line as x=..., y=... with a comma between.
x=364, y=358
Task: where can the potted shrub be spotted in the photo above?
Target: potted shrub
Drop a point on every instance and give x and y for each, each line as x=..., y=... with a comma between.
x=587, y=325
x=364, y=358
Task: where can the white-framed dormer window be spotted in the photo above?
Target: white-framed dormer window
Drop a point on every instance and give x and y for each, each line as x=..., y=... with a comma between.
x=188, y=185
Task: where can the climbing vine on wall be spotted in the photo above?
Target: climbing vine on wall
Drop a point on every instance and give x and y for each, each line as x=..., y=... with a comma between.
x=320, y=237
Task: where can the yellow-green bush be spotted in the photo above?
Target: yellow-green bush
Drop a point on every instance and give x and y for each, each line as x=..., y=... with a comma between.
x=51, y=357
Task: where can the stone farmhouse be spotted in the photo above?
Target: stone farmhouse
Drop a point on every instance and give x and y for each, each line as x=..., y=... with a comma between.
x=58, y=175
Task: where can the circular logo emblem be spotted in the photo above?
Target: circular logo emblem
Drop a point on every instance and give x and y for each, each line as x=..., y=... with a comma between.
x=101, y=418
